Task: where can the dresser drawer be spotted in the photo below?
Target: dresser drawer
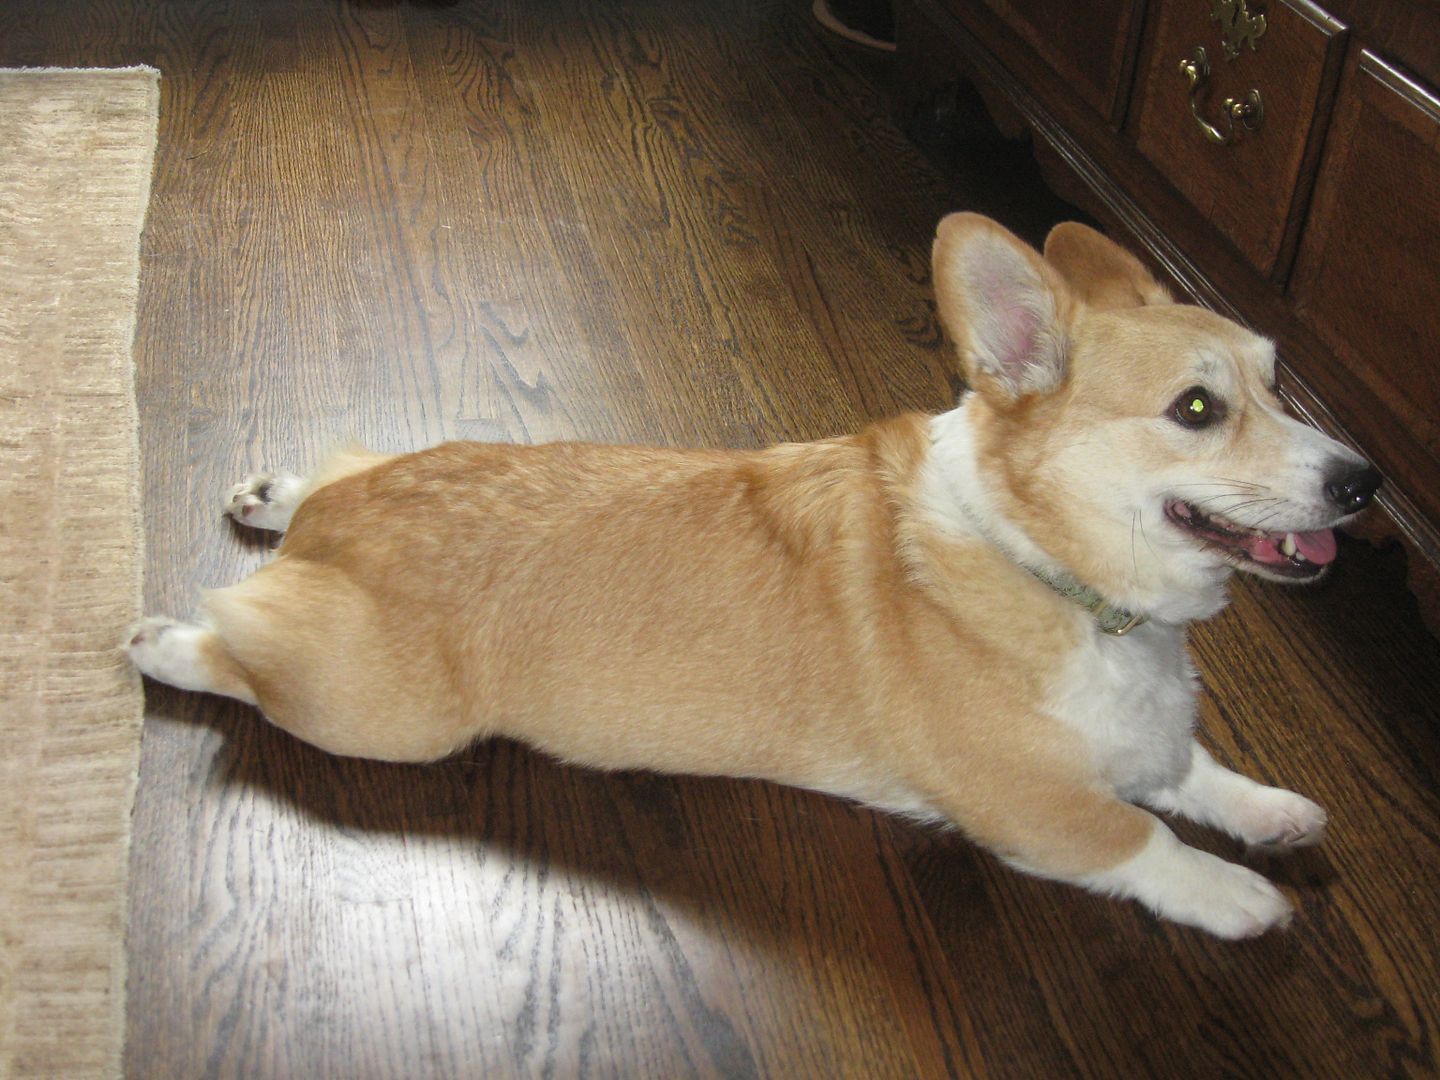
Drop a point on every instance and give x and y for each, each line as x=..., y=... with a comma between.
x=1251, y=187
x=1365, y=276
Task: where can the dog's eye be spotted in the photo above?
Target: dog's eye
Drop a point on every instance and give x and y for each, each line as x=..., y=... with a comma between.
x=1196, y=409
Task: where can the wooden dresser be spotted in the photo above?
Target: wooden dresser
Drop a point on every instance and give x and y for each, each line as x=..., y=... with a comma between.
x=1279, y=161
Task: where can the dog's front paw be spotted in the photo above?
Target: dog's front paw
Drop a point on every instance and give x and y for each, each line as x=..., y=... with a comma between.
x=1196, y=888
x=1228, y=900
x=1238, y=903
x=1277, y=821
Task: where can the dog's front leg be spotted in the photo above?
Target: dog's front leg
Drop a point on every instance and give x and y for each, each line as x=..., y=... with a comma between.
x=1266, y=817
x=1089, y=838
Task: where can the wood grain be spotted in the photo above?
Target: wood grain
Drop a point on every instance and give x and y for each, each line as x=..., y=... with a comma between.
x=690, y=224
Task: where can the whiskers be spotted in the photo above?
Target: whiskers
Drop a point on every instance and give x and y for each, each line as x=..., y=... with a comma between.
x=1137, y=524
x=1236, y=488
x=1237, y=495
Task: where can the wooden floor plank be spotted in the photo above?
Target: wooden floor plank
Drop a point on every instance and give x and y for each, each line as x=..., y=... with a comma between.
x=683, y=223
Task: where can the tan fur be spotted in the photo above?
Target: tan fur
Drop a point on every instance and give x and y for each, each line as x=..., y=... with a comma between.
x=1100, y=273
x=801, y=613
x=226, y=676
x=740, y=613
x=343, y=463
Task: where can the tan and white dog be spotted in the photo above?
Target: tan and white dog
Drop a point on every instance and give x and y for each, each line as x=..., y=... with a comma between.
x=977, y=617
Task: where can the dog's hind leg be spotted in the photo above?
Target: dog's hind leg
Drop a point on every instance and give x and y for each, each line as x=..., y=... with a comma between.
x=337, y=666
x=269, y=500
x=188, y=656
x=266, y=500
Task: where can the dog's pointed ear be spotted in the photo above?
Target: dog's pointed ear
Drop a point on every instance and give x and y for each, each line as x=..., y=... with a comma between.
x=1006, y=311
x=1100, y=271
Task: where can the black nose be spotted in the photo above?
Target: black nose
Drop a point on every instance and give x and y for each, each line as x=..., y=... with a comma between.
x=1351, y=489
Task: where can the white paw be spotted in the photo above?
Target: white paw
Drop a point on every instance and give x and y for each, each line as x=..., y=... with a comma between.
x=1276, y=820
x=265, y=500
x=160, y=646
x=1193, y=887
x=1236, y=902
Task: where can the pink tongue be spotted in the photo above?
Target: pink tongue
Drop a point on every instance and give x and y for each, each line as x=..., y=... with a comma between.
x=1316, y=547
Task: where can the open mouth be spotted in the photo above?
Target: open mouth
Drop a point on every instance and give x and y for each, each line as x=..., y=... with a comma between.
x=1297, y=555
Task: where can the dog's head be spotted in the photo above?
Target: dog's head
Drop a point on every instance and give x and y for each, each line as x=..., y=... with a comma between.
x=1137, y=441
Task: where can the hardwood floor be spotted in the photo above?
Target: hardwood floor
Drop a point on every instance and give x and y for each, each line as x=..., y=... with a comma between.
x=687, y=223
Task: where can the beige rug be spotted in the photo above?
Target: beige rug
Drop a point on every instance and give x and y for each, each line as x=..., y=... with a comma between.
x=76, y=149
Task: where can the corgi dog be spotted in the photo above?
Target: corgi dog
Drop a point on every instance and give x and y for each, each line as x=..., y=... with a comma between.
x=977, y=618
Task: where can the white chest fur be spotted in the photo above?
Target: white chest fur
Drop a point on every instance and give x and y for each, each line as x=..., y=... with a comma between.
x=1133, y=700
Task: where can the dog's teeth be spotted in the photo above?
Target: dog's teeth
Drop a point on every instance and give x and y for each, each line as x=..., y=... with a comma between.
x=1287, y=547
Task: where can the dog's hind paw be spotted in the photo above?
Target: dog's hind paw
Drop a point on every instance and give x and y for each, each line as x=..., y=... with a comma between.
x=265, y=500
x=145, y=633
x=162, y=648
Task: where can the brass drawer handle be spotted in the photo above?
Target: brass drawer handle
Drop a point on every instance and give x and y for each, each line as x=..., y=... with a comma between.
x=1250, y=112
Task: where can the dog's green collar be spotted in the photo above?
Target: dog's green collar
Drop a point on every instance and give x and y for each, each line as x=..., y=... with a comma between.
x=1109, y=618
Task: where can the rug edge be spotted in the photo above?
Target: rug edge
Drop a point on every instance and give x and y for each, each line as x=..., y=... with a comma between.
x=131, y=69
x=121, y=973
